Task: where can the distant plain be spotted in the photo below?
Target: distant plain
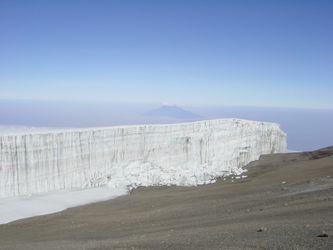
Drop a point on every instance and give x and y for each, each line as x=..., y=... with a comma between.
x=307, y=129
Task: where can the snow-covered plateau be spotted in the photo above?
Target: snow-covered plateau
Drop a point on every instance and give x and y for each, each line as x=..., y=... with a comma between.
x=130, y=156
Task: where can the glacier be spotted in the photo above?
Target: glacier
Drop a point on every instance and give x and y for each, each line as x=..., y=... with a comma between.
x=194, y=153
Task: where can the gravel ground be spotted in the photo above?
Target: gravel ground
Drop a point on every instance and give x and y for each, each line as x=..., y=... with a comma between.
x=286, y=202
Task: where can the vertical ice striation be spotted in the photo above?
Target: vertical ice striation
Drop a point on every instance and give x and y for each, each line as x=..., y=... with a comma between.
x=175, y=154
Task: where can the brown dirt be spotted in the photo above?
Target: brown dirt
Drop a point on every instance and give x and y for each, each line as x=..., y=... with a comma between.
x=285, y=203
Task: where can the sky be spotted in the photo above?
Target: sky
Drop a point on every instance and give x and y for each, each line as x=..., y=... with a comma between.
x=252, y=53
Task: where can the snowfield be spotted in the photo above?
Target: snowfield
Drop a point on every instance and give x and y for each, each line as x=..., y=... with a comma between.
x=15, y=208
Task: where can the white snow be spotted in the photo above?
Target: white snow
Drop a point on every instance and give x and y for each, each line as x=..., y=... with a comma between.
x=124, y=157
x=143, y=155
x=15, y=208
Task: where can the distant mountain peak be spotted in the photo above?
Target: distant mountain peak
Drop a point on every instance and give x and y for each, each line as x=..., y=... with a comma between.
x=173, y=111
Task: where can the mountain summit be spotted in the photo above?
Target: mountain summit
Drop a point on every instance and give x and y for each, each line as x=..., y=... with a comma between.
x=173, y=111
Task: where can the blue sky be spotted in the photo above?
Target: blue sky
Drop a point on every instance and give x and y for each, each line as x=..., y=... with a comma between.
x=256, y=53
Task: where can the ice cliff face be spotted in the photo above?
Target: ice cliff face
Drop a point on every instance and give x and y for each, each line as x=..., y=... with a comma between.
x=175, y=154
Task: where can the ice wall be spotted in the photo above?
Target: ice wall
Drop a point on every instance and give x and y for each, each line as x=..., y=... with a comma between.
x=174, y=154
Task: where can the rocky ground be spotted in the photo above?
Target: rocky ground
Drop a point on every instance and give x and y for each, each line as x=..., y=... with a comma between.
x=286, y=202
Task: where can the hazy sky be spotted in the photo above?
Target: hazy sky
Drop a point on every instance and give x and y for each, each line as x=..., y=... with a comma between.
x=265, y=53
